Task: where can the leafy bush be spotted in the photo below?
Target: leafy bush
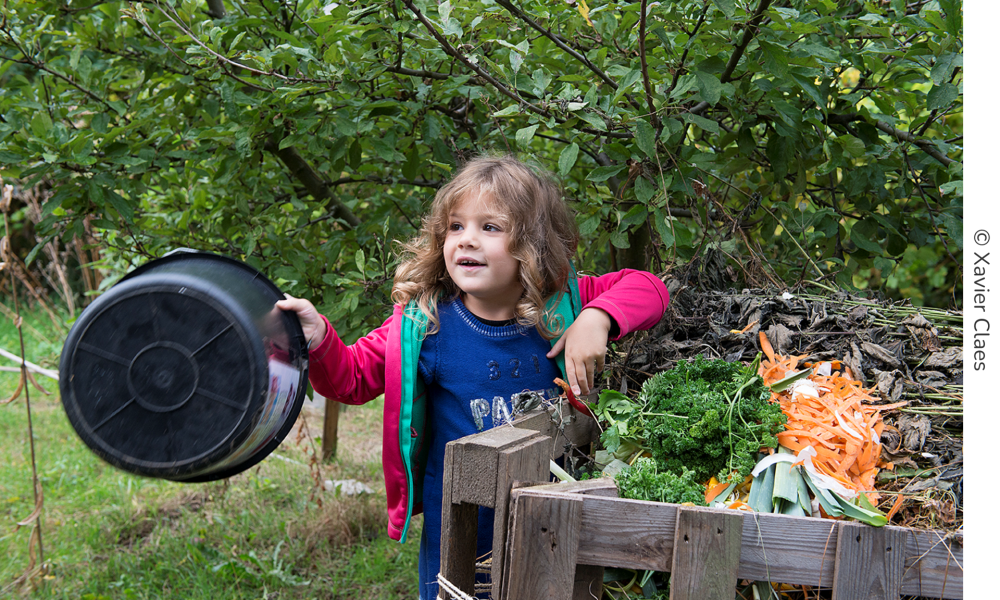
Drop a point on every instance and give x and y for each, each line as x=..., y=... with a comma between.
x=807, y=140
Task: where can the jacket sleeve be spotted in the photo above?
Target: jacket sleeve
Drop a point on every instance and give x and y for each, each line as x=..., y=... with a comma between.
x=634, y=299
x=352, y=374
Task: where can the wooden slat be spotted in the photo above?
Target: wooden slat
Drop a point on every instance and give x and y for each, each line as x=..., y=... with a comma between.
x=634, y=534
x=524, y=461
x=602, y=486
x=631, y=534
x=706, y=554
x=803, y=550
x=543, y=543
x=934, y=562
x=870, y=562
x=458, y=528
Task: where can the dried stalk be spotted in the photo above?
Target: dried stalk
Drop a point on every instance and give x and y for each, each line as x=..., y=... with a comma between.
x=34, y=520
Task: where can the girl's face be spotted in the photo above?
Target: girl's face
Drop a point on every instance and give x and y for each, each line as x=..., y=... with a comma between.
x=476, y=256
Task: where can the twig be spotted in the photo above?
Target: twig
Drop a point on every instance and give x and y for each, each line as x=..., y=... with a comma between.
x=42, y=67
x=415, y=73
x=930, y=213
x=833, y=527
x=36, y=532
x=559, y=43
x=228, y=61
x=645, y=70
x=451, y=51
x=30, y=365
x=796, y=242
x=680, y=66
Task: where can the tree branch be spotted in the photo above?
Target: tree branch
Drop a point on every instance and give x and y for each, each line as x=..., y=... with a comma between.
x=925, y=145
x=900, y=136
x=645, y=70
x=451, y=51
x=748, y=35
x=414, y=73
x=388, y=181
x=558, y=42
x=303, y=171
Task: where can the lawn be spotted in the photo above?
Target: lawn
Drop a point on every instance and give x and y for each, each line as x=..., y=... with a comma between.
x=270, y=532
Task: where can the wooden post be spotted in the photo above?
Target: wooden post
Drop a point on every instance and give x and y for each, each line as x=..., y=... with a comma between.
x=544, y=536
x=706, y=554
x=479, y=470
x=459, y=521
x=522, y=461
x=870, y=562
x=331, y=419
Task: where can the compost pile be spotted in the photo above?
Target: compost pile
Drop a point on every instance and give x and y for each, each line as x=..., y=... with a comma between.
x=899, y=352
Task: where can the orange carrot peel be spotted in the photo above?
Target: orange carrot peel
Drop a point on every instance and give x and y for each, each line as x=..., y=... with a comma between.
x=832, y=414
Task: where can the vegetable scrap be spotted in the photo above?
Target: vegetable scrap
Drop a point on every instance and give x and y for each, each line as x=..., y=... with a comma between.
x=829, y=412
x=703, y=419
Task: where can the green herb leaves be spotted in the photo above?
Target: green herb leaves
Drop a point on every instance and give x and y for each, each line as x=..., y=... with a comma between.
x=701, y=419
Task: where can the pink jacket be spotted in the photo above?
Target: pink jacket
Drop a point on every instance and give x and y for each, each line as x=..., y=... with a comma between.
x=371, y=366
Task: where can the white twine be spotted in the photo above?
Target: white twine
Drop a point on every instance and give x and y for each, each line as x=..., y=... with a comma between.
x=457, y=594
x=450, y=588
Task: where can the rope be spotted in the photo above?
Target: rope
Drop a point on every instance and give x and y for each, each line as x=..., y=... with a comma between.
x=480, y=588
x=449, y=587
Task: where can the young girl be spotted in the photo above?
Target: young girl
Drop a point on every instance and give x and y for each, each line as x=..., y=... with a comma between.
x=486, y=306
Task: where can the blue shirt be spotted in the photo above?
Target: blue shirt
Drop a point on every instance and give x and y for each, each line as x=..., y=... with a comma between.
x=471, y=369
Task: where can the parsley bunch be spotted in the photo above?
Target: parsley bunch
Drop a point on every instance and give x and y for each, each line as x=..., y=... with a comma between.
x=702, y=418
x=715, y=417
x=643, y=481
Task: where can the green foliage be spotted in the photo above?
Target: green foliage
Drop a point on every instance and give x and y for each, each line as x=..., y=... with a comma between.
x=710, y=416
x=809, y=140
x=643, y=482
x=701, y=419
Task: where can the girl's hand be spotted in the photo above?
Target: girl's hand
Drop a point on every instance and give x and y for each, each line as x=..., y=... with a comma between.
x=586, y=344
x=313, y=326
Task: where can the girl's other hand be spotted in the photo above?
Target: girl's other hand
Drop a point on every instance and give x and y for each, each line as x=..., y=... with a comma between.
x=313, y=325
x=586, y=344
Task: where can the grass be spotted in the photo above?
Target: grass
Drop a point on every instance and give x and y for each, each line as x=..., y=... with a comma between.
x=265, y=533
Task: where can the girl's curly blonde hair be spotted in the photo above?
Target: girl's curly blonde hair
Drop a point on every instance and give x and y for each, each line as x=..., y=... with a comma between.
x=543, y=238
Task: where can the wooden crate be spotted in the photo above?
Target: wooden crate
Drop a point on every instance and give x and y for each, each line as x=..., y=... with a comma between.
x=553, y=541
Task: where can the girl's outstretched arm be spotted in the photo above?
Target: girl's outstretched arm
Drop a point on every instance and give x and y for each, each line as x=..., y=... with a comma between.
x=614, y=305
x=351, y=374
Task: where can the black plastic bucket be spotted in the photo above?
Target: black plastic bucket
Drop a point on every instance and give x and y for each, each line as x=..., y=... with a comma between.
x=184, y=370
